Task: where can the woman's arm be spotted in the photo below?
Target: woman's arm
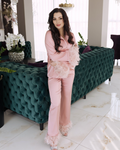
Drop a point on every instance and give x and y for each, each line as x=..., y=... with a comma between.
x=74, y=53
x=55, y=56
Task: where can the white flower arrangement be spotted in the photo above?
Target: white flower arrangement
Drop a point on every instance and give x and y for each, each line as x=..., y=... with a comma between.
x=15, y=43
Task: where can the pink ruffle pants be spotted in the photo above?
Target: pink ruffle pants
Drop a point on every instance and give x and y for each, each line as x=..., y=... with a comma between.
x=60, y=90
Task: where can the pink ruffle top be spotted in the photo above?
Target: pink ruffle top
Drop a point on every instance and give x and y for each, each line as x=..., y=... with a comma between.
x=65, y=61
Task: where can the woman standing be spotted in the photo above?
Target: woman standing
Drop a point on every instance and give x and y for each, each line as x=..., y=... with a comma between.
x=63, y=56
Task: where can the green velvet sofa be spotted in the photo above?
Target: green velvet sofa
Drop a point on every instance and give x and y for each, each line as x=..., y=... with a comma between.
x=26, y=90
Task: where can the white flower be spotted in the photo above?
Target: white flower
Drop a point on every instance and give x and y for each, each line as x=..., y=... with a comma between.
x=12, y=40
x=22, y=41
x=15, y=42
x=8, y=43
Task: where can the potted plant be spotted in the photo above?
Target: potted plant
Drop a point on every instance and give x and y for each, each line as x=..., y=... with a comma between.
x=82, y=41
x=15, y=45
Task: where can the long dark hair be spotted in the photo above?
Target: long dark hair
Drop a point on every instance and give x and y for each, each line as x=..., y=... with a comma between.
x=55, y=31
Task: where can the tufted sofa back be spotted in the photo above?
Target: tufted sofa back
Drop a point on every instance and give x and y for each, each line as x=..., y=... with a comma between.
x=26, y=91
x=95, y=67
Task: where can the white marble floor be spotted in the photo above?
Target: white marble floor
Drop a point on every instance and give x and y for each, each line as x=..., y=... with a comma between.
x=96, y=123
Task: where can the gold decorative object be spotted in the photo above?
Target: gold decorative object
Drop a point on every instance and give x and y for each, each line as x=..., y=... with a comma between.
x=66, y=5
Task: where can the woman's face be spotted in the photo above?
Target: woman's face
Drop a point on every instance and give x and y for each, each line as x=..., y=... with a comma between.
x=58, y=20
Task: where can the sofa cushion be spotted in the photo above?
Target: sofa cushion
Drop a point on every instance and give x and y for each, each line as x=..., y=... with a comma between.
x=84, y=49
x=87, y=49
x=41, y=64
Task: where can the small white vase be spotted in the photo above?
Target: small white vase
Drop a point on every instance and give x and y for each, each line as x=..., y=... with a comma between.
x=16, y=57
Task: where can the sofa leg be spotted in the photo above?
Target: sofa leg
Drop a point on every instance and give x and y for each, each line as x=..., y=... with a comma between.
x=110, y=79
x=5, y=109
x=84, y=96
x=41, y=126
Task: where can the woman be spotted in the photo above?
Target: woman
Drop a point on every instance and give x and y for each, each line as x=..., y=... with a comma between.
x=63, y=56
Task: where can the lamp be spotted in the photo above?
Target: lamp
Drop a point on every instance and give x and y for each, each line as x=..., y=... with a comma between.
x=66, y=6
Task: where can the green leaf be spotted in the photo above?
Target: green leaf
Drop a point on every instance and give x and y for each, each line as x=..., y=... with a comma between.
x=2, y=50
x=17, y=49
x=81, y=42
x=2, y=69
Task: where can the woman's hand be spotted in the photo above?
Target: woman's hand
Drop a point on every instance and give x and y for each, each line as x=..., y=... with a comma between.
x=53, y=63
x=75, y=45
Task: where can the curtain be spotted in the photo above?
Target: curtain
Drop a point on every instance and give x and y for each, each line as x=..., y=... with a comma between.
x=78, y=17
x=41, y=9
x=113, y=21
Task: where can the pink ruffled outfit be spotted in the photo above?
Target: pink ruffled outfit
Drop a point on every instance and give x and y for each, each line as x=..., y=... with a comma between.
x=60, y=80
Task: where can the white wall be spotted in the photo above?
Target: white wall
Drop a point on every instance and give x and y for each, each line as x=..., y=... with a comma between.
x=98, y=22
x=25, y=22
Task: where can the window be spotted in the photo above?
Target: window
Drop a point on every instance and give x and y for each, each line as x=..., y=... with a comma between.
x=78, y=17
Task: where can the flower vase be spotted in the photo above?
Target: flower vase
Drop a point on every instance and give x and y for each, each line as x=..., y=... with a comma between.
x=16, y=57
